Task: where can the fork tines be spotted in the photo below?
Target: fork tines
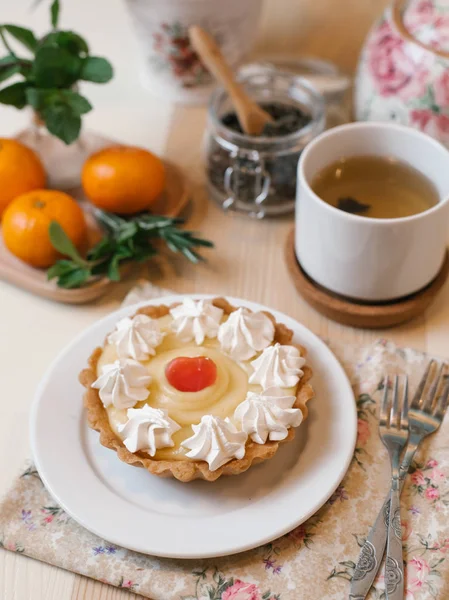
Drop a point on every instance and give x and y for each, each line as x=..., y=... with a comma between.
x=390, y=415
x=426, y=395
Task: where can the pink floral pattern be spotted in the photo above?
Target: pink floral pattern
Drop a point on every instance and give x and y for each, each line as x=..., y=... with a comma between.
x=175, y=53
x=426, y=481
x=12, y=546
x=365, y=412
x=400, y=80
x=392, y=69
x=419, y=13
x=363, y=432
x=441, y=89
x=212, y=584
x=417, y=573
x=431, y=122
x=127, y=584
x=241, y=591
x=418, y=478
x=406, y=529
x=428, y=21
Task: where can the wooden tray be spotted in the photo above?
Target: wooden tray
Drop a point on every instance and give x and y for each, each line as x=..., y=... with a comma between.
x=171, y=202
x=359, y=314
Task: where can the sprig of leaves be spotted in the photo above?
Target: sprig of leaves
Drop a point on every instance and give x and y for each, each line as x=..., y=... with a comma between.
x=125, y=240
x=59, y=60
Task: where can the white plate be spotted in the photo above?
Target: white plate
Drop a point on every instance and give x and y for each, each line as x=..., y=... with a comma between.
x=131, y=508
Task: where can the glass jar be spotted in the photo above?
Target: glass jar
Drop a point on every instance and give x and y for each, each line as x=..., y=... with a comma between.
x=256, y=175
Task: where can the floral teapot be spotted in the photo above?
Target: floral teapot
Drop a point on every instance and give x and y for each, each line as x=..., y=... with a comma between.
x=403, y=72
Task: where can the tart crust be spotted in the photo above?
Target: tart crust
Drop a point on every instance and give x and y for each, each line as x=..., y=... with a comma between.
x=188, y=470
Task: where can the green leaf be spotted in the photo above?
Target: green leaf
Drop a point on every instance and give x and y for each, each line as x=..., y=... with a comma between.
x=79, y=104
x=55, y=67
x=96, y=69
x=113, y=269
x=62, y=121
x=191, y=255
x=25, y=68
x=69, y=274
x=8, y=60
x=23, y=35
x=54, y=13
x=37, y=98
x=200, y=242
x=75, y=279
x=7, y=72
x=127, y=231
x=100, y=268
x=41, y=99
x=61, y=267
x=141, y=255
x=14, y=95
x=109, y=221
x=68, y=40
x=63, y=244
x=103, y=248
x=150, y=222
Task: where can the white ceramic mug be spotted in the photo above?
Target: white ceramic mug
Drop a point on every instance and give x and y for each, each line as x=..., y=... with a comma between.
x=364, y=258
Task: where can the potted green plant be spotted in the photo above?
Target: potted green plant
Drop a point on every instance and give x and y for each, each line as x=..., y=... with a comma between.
x=46, y=77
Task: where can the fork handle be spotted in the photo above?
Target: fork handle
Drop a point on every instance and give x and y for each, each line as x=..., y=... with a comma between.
x=394, y=565
x=370, y=556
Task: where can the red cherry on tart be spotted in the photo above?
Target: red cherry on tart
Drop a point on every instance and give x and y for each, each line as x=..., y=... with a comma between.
x=191, y=374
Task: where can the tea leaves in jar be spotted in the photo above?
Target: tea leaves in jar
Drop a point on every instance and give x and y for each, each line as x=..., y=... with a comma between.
x=286, y=119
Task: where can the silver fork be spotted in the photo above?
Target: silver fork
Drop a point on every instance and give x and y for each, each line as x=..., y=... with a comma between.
x=393, y=430
x=425, y=416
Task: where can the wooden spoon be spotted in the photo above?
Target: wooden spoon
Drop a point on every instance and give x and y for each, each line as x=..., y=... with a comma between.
x=251, y=117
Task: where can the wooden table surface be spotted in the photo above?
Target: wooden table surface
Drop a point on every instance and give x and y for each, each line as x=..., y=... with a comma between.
x=248, y=260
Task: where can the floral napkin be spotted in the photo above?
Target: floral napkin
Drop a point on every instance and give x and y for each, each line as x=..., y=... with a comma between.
x=315, y=560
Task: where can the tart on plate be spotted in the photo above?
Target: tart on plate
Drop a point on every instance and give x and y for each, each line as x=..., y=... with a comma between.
x=197, y=390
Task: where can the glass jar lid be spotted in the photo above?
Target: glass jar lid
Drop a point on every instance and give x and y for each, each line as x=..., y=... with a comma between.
x=323, y=75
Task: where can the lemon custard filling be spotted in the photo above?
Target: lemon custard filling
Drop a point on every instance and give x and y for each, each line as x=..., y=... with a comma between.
x=212, y=383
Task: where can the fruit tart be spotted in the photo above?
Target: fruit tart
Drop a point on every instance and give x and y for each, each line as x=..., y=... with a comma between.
x=197, y=390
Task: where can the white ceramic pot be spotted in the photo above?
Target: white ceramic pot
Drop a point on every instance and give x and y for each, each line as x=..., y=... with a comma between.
x=363, y=258
x=172, y=68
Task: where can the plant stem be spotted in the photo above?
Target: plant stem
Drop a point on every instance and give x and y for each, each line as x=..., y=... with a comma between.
x=5, y=42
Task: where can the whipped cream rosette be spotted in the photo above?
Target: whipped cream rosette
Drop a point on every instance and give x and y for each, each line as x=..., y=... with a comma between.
x=216, y=441
x=268, y=415
x=278, y=366
x=123, y=383
x=148, y=429
x=196, y=320
x=245, y=333
x=137, y=337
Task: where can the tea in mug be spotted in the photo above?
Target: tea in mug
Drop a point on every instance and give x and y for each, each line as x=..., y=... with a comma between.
x=375, y=186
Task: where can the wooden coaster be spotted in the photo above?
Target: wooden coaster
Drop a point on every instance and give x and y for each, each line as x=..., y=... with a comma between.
x=359, y=314
x=172, y=201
